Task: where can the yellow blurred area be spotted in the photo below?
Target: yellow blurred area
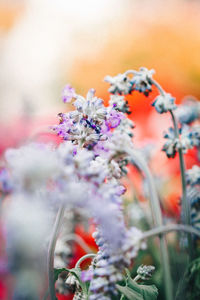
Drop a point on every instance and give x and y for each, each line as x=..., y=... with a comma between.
x=46, y=44
x=9, y=14
x=166, y=39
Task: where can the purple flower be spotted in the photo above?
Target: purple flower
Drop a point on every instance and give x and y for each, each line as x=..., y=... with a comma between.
x=114, y=119
x=68, y=93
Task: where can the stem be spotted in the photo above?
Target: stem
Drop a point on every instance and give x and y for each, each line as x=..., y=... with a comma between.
x=51, y=250
x=90, y=255
x=132, y=72
x=136, y=278
x=158, y=86
x=154, y=201
x=168, y=228
x=185, y=203
x=157, y=219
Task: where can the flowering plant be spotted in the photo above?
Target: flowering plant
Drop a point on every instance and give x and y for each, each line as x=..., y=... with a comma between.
x=46, y=187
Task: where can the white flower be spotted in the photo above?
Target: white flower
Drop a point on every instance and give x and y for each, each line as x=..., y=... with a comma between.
x=117, y=101
x=193, y=175
x=164, y=103
x=120, y=142
x=91, y=108
x=120, y=84
x=142, y=80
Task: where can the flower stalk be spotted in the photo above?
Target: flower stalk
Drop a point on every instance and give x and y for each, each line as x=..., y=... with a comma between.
x=51, y=250
x=185, y=204
x=168, y=228
x=157, y=219
x=90, y=255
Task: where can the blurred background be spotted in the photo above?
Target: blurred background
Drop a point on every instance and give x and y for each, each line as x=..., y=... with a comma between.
x=45, y=44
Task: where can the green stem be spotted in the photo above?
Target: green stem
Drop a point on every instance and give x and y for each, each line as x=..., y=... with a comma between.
x=90, y=255
x=51, y=250
x=185, y=202
x=168, y=228
x=137, y=277
x=157, y=219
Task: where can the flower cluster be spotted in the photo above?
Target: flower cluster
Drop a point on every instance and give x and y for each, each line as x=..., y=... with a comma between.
x=189, y=137
x=188, y=111
x=164, y=103
x=122, y=84
x=110, y=264
x=142, y=81
x=193, y=194
x=145, y=272
x=89, y=123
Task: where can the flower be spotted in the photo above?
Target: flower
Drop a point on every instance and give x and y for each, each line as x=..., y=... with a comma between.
x=195, y=135
x=170, y=146
x=120, y=84
x=113, y=119
x=193, y=196
x=145, y=272
x=185, y=141
x=142, y=81
x=193, y=175
x=68, y=93
x=119, y=103
x=189, y=137
x=110, y=263
x=188, y=111
x=164, y=103
x=85, y=125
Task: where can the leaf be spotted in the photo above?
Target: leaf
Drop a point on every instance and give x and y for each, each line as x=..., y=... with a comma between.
x=189, y=286
x=138, y=291
x=57, y=272
x=129, y=293
x=148, y=292
x=77, y=273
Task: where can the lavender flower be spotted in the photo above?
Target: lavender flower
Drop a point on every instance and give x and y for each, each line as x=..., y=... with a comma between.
x=120, y=84
x=195, y=135
x=188, y=111
x=142, y=81
x=193, y=196
x=170, y=146
x=119, y=103
x=145, y=272
x=89, y=123
x=164, y=103
x=193, y=175
x=68, y=93
x=189, y=137
x=110, y=264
